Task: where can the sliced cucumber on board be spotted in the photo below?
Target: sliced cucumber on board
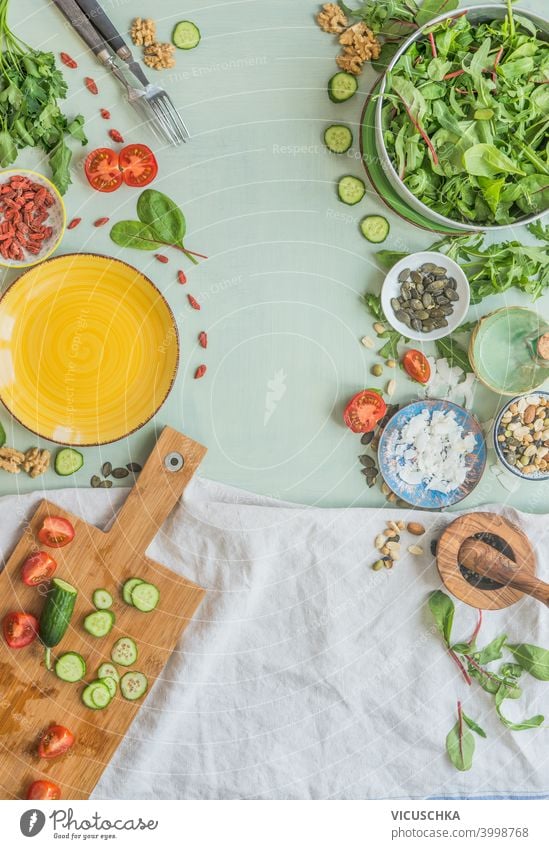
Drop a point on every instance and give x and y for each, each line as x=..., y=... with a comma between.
x=128, y=588
x=108, y=670
x=124, y=652
x=111, y=685
x=97, y=695
x=145, y=597
x=70, y=667
x=102, y=599
x=133, y=685
x=99, y=623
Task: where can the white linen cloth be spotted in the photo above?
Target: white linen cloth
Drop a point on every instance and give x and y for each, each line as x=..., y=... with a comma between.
x=306, y=675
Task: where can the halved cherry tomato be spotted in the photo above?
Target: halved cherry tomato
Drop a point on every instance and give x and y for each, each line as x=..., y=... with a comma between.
x=55, y=741
x=135, y=165
x=138, y=165
x=43, y=790
x=417, y=366
x=56, y=532
x=20, y=629
x=364, y=411
x=38, y=568
x=102, y=171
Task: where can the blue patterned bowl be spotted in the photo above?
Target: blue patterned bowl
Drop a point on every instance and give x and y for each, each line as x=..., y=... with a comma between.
x=418, y=495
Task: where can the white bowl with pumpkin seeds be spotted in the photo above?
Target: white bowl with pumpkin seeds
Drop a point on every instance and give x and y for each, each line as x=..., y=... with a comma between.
x=425, y=296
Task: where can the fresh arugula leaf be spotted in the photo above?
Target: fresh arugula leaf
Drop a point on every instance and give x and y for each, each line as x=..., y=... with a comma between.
x=454, y=353
x=539, y=230
x=8, y=149
x=76, y=129
x=491, y=652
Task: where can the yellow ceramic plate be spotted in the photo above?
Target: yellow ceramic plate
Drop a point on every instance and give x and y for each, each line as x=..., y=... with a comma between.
x=88, y=349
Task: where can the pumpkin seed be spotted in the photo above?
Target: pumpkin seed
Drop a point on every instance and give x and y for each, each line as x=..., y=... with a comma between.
x=367, y=461
x=95, y=481
x=105, y=484
x=106, y=469
x=133, y=467
x=120, y=473
x=366, y=438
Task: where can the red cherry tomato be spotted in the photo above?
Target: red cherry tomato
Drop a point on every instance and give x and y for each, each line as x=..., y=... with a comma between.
x=20, y=629
x=55, y=741
x=102, y=171
x=56, y=532
x=135, y=165
x=43, y=790
x=364, y=411
x=38, y=568
x=138, y=165
x=417, y=366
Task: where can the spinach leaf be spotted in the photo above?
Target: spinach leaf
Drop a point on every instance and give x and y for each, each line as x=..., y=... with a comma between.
x=433, y=8
x=460, y=745
x=443, y=609
x=135, y=234
x=532, y=659
x=162, y=215
x=485, y=160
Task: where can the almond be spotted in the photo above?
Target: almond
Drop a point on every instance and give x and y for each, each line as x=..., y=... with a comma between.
x=415, y=528
x=529, y=414
x=415, y=549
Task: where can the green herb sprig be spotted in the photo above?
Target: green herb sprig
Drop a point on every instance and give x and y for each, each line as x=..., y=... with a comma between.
x=30, y=87
x=472, y=663
x=161, y=224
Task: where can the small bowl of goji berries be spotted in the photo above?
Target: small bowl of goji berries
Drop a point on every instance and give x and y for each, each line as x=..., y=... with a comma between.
x=32, y=218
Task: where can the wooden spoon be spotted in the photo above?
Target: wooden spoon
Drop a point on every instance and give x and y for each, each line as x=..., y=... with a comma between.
x=486, y=561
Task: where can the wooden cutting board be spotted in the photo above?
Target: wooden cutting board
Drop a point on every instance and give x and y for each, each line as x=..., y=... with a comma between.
x=31, y=698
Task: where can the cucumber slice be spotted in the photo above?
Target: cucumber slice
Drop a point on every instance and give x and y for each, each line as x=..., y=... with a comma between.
x=96, y=696
x=351, y=190
x=145, y=597
x=68, y=461
x=375, y=228
x=124, y=652
x=338, y=138
x=102, y=599
x=111, y=686
x=99, y=623
x=128, y=588
x=70, y=667
x=133, y=685
x=342, y=87
x=186, y=35
x=108, y=670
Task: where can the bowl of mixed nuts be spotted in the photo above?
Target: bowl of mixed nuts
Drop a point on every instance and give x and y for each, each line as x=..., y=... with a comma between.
x=425, y=296
x=521, y=436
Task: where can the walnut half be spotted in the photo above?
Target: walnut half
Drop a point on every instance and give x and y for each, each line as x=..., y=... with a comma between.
x=36, y=462
x=332, y=18
x=160, y=56
x=143, y=32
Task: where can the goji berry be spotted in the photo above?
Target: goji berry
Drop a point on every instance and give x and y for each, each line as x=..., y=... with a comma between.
x=116, y=136
x=182, y=277
x=74, y=223
x=203, y=339
x=200, y=372
x=193, y=302
x=91, y=85
x=101, y=222
x=105, y=114
x=68, y=60
x=161, y=258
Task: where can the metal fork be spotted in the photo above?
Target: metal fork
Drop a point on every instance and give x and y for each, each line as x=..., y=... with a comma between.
x=97, y=30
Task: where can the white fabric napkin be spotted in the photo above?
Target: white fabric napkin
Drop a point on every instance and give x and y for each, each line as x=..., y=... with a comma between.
x=306, y=675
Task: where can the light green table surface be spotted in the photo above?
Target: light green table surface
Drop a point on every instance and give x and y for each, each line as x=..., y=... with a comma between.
x=281, y=290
